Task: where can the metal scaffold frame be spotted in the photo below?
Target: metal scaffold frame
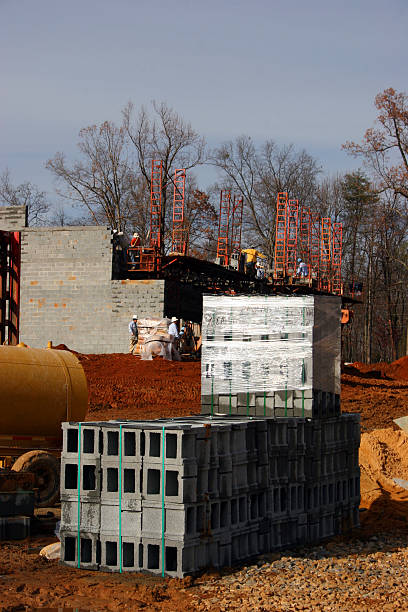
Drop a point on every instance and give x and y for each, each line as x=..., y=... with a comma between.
x=10, y=257
x=337, y=246
x=305, y=236
x=156, y=204
x=315, y=246
x=223, y=228
x=236, y=225
x=325, y=254
x=280, y=235
x=179, y=241
x=292, y=237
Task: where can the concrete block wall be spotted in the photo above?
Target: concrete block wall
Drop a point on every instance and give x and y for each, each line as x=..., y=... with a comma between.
x=177, y=496
x=13, y=218
x=68, y=295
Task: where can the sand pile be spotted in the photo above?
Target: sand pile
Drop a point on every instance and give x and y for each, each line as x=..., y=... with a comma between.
x=383, y=457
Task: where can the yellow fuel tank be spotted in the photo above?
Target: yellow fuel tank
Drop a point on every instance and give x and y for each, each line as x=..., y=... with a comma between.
x=39, y=389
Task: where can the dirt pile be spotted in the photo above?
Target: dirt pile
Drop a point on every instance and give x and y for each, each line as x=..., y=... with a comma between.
x=383, y=458
x=374, y=393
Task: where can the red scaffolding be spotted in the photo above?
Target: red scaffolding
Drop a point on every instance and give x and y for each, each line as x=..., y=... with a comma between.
x=10, y=254
x=223, y=228
x=315, y=246
x=156, y=204
x=337, y=244
x=237, y=210
x=179, y=242
x=291, y=237
x=280, y=235
x=325, y=254
x=305, y=236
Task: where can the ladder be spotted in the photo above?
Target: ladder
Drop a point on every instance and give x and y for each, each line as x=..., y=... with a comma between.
x=155, y=203
x=179, y=234
x=236, y=224
x=292, y=236
x=223, y=228
x=325, y=254
x=337, y=244
x=280, y=235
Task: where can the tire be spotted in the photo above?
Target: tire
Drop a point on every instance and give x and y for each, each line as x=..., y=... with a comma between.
x=46, y=468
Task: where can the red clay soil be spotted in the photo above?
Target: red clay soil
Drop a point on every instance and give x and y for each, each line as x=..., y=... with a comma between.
x=125, y=387
x=379, y=392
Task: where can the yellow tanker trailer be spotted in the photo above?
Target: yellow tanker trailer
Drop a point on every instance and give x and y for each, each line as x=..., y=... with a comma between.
x=39, y=389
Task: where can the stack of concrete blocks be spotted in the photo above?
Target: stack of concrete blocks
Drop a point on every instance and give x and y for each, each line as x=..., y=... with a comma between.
x=177, y=496
x=273, y=356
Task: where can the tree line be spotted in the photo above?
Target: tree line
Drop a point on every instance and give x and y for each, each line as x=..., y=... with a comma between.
x=109, y=183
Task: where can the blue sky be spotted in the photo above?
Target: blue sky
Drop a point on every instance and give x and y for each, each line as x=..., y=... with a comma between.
x=294, y=71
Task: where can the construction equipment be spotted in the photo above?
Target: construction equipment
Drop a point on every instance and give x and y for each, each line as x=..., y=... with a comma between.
x=39, y=389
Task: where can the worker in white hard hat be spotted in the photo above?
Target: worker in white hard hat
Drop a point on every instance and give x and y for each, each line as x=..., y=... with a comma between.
x=134, y=335
x=302, y=269
x=134, y=255
x=173, y=329
x=174, y=334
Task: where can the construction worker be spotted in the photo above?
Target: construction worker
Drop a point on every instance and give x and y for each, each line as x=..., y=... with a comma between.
x=134, y=256
x=173, y=330
x=303, y=269
x=251, y=257
x=134, y=335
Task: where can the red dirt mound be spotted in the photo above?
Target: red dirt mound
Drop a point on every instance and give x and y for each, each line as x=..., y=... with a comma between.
x=399, y=368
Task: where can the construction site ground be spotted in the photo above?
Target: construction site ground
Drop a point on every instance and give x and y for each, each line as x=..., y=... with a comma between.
x=362, y=570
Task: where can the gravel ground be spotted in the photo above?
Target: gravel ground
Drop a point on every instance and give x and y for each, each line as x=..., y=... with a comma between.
x=346, y=575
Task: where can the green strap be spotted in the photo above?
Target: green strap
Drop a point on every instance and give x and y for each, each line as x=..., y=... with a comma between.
x=79, y=494
x=163, y=479
x=120, y=498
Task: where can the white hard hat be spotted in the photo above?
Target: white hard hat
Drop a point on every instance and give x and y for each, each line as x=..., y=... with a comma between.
x=134, y=317
x=174, y=319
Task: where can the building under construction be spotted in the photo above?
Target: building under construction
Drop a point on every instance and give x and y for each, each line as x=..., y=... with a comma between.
x=80, y=286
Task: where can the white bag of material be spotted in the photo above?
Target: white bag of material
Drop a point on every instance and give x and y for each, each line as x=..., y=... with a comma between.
x=52, y=551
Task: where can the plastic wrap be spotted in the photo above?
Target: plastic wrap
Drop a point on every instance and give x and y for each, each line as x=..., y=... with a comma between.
x=268, y=343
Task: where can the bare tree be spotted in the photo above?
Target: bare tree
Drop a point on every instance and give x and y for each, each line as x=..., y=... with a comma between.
x=25, y=194
x=384, y=148
x=165, y=136
x=260, y=174
x=102, y=180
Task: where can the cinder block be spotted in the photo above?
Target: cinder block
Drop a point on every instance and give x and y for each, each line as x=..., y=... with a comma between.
x=89, y=557
x=88, y=513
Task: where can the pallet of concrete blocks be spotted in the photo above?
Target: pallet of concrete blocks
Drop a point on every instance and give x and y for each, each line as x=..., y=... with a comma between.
x=175, y=496
x=271, y=356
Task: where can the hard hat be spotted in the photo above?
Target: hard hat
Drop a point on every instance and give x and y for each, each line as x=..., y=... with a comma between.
x=134, y=317
x=299, y=259
x=135, y=235
x=174, y=319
